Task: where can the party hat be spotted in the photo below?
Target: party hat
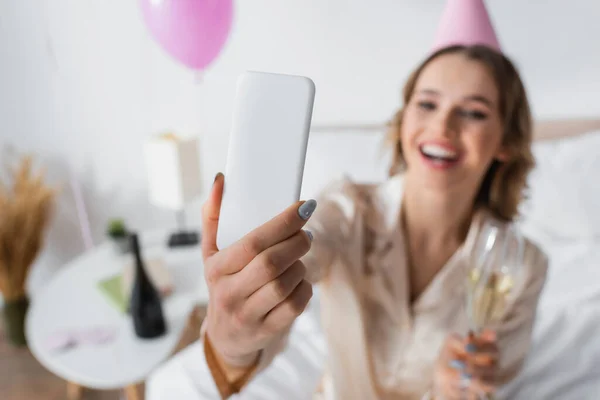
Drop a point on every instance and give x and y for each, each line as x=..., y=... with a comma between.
x=465, y=22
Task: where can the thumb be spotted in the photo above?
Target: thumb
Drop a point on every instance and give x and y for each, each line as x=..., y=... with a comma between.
x=210, y=217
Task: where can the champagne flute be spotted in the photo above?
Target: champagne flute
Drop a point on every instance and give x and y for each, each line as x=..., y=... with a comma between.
x=494, y=270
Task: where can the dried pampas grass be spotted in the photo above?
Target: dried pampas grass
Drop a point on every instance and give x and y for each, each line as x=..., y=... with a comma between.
x=26, y=205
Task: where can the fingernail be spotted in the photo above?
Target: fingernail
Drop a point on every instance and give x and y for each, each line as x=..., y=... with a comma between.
x=307, y=208
x=309, y=234
x=217, y=177
x=471, y=348
x=457, y=364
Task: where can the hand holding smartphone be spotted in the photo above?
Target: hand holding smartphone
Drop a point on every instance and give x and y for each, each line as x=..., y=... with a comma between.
x=253, y=237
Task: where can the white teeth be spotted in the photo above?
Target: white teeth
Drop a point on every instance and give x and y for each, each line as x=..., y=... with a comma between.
x=436, y=151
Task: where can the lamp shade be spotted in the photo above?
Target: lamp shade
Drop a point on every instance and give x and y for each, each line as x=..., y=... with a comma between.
x=173, y=171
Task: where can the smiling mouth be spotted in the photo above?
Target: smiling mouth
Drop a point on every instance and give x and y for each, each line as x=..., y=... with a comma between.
x=438, y=154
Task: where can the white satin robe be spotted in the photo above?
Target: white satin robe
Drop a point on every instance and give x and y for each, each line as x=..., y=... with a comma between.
x=380, y=346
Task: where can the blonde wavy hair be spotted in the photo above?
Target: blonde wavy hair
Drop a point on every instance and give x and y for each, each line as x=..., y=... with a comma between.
x=504, y=185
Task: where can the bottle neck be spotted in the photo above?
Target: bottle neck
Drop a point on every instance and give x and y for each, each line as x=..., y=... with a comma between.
x=137, y=254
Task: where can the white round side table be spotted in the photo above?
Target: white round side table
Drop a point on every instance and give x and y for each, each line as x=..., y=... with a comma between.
x=72, y=301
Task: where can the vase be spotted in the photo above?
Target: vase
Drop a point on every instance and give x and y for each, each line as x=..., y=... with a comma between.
x=14, y=320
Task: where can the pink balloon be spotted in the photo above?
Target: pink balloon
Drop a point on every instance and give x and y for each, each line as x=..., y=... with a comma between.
x=191, y=31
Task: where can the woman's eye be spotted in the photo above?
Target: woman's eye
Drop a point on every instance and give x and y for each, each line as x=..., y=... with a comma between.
x=476, y=115
x=426, y=105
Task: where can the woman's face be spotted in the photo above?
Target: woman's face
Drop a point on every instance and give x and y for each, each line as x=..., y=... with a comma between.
x=451, y=128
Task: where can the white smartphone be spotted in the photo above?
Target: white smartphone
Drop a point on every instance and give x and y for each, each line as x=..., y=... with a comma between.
x=267, y=149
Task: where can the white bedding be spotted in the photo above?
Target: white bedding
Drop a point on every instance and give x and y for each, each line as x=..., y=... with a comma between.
x=294, y=374
x=564, y=362
x=562, y=215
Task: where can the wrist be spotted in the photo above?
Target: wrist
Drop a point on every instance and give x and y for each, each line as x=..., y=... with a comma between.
x=237, y=361
x=229, y=380
x=231, y=361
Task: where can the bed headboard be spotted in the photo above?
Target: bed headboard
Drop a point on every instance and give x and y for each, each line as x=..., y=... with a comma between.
x=361, y=153
x=560, y=128
x=546, y=129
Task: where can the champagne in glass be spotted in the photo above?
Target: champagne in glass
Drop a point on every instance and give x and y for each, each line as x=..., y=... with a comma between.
x=493, y=273
x=489, y=297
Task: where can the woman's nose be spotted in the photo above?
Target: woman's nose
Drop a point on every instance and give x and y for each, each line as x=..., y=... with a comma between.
x=445, y=123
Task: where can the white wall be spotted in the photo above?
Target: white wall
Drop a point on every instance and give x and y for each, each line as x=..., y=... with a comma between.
x=82, y=84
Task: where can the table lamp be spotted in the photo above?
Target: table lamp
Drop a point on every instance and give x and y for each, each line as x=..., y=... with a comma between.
x=174, y=179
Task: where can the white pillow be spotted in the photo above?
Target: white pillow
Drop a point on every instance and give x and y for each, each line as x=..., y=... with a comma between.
x=361, y=156
x=564, y=192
